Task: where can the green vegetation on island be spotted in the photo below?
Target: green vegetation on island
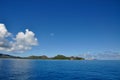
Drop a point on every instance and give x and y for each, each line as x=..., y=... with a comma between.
x=43, y=57
x=8, y=56
x=62, y=57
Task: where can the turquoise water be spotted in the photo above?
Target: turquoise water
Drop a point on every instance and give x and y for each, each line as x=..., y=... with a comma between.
x=22, y=69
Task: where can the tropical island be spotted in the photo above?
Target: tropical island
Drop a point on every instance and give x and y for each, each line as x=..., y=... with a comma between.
x=43, y=57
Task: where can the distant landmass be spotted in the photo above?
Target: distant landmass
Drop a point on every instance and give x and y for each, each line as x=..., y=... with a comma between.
x=8, y=56
x=43, y=57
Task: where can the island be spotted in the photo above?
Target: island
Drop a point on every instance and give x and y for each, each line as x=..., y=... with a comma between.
x=43, y=57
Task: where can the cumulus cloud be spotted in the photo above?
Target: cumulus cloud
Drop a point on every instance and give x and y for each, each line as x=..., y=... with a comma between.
x=22, y=41
x=3, y=31
x=4, y=43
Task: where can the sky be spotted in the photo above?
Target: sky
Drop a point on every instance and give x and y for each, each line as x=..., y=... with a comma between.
x=68, y=27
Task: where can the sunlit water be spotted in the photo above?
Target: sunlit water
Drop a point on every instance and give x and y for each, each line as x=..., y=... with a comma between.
x=23, y=69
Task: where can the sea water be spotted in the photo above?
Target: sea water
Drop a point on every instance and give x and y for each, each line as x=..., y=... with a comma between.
x=27, y=69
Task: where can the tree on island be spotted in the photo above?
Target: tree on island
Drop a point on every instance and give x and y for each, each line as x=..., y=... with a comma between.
x=60, y=57
x=38, y=57
x=67, y=58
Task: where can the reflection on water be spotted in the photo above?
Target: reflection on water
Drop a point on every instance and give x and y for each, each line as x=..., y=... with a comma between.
x=15, y=69
x=21, y=69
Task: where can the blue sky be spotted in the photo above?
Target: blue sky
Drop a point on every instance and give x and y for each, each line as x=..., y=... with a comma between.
x=69, y=27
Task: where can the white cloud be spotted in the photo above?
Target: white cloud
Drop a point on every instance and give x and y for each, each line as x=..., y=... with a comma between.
x=4, y=43
x=22, y=41
x=3, y=31
x=103, y=55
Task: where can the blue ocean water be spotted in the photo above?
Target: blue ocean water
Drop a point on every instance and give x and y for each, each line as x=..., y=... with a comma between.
x=25, y=69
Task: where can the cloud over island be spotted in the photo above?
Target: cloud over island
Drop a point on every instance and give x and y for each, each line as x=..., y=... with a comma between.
x=20, y=43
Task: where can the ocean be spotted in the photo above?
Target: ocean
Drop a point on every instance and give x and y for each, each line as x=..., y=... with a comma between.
x=27, y=69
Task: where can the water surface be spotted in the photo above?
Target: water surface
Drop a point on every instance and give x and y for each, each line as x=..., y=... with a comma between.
x=25, y=69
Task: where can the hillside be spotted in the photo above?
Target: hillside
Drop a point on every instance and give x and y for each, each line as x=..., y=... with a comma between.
x=43, y=57
x=7, y=56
